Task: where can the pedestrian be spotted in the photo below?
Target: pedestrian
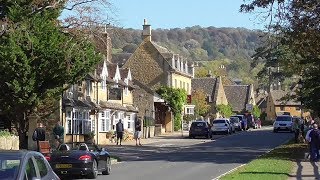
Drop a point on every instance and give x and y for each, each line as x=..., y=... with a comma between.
x=296, y=129
x=58, y=132
x=314, y=143
x=245, y=123
x=39, y=134
x=137, y=131
x=119, y=130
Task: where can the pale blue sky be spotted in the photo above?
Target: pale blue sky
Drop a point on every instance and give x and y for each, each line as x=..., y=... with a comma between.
x=183, y=13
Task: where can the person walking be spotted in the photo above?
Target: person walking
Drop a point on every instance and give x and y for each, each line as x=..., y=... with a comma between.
x=119, y=130
x=314, y=143
x=296, y=129
x=58, y=132
x=39, y=134
x=137, y=132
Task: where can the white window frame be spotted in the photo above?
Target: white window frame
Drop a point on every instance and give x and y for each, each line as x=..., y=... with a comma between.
x=88, y=87
x=209, y=98
x=104, y=121
x=78, y=121
x=104, y=83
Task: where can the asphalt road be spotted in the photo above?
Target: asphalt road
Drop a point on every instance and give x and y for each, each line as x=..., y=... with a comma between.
x=190, y=159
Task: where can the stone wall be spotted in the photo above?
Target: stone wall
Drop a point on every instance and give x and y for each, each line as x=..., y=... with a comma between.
x=9, y=143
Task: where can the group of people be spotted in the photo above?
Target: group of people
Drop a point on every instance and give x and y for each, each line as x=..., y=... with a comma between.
x=39, y=134
x=308, y=132
x=137, y=132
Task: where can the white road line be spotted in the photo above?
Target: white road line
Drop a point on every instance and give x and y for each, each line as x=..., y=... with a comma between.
x=234, y=169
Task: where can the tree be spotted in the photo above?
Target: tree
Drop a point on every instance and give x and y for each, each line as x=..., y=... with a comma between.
x=256, y=111
x=199, y=100
x=38, y=60
x=225, y=110
x=295, y=27
x=129, y=48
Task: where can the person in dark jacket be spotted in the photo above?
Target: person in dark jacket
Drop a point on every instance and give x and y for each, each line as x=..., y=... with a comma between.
x=39, y=134
x=314, y=143
x=119, y=130
x=58, y=133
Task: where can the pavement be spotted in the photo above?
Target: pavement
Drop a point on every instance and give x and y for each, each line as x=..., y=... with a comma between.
x=305, y=170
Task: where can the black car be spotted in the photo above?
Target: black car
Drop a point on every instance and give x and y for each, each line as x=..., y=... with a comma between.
x=25, y=165
x=199, y=128
x=85, y=160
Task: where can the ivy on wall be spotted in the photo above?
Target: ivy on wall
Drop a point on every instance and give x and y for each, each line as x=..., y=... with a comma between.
x=176, y=98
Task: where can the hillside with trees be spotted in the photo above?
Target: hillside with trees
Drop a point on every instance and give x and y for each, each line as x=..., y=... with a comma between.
x=208, y=47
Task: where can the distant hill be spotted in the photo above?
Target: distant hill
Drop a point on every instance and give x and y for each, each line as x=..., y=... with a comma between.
x=195, y=43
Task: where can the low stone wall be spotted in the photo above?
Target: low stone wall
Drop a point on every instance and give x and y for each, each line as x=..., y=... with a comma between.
x=9, y=143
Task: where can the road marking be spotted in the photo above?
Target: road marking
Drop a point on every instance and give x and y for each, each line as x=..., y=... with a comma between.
x=234, y=169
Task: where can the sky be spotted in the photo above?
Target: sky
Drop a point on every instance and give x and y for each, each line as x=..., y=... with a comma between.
x=168, y=14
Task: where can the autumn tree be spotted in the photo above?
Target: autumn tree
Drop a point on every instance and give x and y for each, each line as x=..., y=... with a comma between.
x=200, y=102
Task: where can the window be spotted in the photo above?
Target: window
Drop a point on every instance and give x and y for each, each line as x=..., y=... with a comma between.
x=30, y=171
x=126, y=91
x=88, y=88
x=130, y=122
x=104, y=83
x=298, y=109
x=41, y=166
x=104, y=120
x=210, y=98
x=79, y=123
x=281, y=108
x=189, y=110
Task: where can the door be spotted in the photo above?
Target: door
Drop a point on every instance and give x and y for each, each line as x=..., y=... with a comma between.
x=30, y=170
x=41, y=165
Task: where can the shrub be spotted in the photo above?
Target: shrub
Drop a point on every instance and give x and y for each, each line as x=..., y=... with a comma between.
x=5, y=133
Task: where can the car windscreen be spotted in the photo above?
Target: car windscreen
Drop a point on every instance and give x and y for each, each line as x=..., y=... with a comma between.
x=218, y=121
x=234, y=119
x=9, y=168
x=283, y=118
x=198, y=124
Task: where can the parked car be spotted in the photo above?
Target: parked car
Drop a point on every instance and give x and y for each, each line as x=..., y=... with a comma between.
x=283, y=123
x=232, y=126
x=236, y=122
x=22, y=165
x=221, y=126
x=85, y=160
x=241, y=117
x=199, y=128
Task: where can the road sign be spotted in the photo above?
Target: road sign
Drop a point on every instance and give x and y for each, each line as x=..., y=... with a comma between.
x=249, y=107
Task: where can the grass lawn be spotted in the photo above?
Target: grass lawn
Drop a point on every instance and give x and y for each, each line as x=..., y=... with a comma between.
x=276, y=164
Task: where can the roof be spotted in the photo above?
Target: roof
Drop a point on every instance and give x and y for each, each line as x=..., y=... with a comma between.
x=124, y=72
x=278, y=94
x=237, y=96
x=110, y=105
x=120, y=58
x=112, y=69
x=78, y=103
x=207, y=84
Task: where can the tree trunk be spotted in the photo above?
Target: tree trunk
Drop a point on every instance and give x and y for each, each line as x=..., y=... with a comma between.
x=21, y=124
x=23, y=139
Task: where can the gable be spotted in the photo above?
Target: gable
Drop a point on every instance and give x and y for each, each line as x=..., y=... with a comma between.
x=148, y=66
x=207, y=84
x=237, y=96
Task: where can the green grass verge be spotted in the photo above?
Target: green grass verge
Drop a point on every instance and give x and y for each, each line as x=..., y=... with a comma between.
x=277, y=164
x=116, y=157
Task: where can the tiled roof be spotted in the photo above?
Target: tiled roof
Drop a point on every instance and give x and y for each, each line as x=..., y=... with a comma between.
x=207, y=84
x=120, y=58
x=112, y=68
x=79, y=103
x=237, y=96
x=124, y=72
x=278, y=94
x=110, y=105
x=131, y=109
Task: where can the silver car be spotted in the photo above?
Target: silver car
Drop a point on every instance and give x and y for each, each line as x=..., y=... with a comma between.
x=222, y=125
x=22, y=165
x=283, y=123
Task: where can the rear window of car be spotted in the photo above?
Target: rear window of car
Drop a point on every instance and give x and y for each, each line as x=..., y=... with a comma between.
x=234, y=119
x=219, y=121
x=240, y=117
x=198, y=124
x=283, y=118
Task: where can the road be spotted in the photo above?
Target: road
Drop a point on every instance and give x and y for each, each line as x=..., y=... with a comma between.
x=189, y=159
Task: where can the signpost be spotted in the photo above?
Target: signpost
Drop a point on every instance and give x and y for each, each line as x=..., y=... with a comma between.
x=249, y=107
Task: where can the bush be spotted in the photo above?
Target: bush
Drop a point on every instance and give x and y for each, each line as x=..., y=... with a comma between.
x=109, y=134
x=5, y=133
x=177, y=122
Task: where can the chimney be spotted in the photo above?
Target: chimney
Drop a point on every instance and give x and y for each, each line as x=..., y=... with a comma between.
x=146, y=32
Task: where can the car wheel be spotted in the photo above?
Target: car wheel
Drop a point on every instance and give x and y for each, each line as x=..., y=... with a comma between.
x=94, y=173
x=108, y=167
